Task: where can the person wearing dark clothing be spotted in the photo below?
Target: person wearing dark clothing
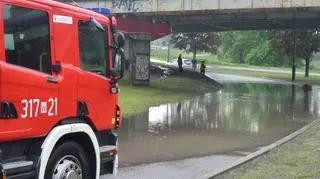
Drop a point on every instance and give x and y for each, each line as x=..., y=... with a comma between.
x=179, y=110
x=194, y=64
x=203, y=68
x=180, y=63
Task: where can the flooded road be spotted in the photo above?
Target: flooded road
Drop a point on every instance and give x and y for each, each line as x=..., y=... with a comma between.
x=237, y=119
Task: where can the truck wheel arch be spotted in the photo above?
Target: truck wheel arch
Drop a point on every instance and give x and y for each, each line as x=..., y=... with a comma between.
x=58, y=133
x=77, y=120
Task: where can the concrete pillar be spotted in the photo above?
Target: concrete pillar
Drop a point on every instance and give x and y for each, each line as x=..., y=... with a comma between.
x=137, y=53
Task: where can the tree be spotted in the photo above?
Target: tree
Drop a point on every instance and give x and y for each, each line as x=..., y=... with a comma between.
x=262, y=54
x=252, y=47
x=307, y=43
x=196, y=42
x=237, y=45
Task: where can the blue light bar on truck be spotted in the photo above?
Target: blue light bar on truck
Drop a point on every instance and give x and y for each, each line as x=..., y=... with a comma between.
x=101, y=10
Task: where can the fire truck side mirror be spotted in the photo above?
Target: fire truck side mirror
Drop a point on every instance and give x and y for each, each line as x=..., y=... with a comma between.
x=97, y=24
x=56, y=68
x=117, y=71
x=120, y=39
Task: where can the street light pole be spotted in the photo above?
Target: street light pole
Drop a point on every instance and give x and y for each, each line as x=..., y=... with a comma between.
x=169, y=41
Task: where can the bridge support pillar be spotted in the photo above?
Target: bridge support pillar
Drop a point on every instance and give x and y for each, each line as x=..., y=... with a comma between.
x=137, y=56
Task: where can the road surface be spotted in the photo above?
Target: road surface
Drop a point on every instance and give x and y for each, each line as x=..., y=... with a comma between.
x=226, y=78
x=263, y=70
x=173, y=63
x=186, y=169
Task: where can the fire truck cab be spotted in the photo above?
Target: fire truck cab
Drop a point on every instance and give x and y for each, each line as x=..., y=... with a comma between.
x=59, y=106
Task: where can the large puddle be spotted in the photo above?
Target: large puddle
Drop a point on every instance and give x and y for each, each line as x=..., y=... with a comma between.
x=240, y=117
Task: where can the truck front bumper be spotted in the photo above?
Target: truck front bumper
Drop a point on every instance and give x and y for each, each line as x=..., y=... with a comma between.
x=108, y=142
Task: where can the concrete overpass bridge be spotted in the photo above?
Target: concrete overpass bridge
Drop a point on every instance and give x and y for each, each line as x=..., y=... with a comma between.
x=216, y=15
x=162, y=17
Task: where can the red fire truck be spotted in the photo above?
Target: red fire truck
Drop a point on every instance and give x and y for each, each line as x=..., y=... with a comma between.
x=59, y=106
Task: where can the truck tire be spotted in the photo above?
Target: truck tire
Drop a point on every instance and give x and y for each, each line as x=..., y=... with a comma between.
x=68, y=160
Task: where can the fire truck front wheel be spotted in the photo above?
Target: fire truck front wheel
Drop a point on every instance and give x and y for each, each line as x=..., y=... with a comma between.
x=68, y=160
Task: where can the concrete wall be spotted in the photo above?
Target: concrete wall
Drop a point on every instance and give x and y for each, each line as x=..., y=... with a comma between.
x=186, y=5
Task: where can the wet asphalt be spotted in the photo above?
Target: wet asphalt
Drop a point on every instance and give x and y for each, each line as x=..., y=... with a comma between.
x=186, y=169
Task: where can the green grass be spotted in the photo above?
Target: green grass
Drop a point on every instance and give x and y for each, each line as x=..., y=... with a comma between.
x=298, y=158
x=300, y=69
x=282, y=76
x=137, y=99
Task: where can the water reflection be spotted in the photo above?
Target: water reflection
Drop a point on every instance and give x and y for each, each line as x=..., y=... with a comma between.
x=249, y=109
x=237, y=117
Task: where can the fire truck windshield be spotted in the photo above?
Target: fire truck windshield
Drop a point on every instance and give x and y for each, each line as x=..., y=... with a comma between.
x=93, y=45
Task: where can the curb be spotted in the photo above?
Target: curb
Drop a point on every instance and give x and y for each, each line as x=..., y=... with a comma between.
x=260, y=152
x=216, y=82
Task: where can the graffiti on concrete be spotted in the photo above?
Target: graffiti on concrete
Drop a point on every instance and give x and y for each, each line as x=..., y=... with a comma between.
x=142, y=67
x=127, y=5
x=178, y=5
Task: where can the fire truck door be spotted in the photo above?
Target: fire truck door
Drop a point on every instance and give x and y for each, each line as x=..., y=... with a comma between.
x=27, y=83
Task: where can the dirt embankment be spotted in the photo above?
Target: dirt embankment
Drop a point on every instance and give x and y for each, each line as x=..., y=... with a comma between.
x=158, y=71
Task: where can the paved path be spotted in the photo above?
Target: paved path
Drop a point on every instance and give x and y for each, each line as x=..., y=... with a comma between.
x=226, y=78
x=186, y=169
x=263, y=70
x=242, y=68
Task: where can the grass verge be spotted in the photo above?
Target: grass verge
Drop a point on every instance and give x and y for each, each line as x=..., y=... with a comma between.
x=298, y=158
x=214, y=60
x=282, y=76
x=137, y=99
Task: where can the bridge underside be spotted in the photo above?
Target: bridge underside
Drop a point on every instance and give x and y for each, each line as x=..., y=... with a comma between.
x=230, y=20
